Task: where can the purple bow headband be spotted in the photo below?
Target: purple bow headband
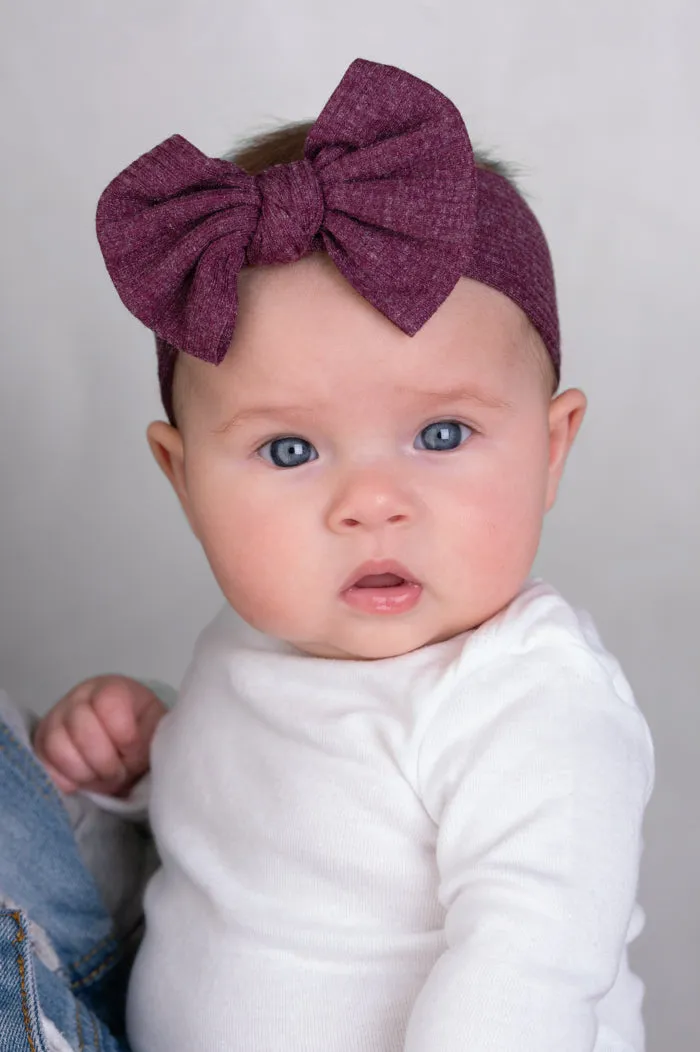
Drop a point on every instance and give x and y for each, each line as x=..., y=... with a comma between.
x=388, y=188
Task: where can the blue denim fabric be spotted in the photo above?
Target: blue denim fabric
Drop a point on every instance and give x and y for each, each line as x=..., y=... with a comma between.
x=29, y=992
x=19, y=1013
x=82, y=988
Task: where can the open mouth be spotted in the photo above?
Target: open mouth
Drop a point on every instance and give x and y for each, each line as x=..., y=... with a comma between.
x=382, y=588
x=380, y=580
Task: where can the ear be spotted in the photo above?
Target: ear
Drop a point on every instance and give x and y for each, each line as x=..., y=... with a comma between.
x=566, y=413
x=169, y=452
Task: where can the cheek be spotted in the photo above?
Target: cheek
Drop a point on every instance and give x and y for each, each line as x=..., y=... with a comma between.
x=256, y=552
x=502, y=507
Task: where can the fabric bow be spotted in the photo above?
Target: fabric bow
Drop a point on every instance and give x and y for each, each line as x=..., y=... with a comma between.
x=387, y=188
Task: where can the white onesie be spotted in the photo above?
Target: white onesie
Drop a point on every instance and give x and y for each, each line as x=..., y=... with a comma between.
x=436, y=852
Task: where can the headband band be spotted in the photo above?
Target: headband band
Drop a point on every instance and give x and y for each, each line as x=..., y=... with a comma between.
x=388, y=188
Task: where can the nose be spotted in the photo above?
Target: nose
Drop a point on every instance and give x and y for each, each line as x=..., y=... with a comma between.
x=370, y=500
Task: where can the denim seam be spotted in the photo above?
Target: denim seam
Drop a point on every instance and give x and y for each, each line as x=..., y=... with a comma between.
x=97, y=948
x=78, y=984
x=26, y=1015
x=95, y=1034
x=79, y=1028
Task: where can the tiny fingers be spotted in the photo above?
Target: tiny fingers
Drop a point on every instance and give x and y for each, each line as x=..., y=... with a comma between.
x=60, y=755
x=137, y=755
x=93, y=745
x=114, y=704
x=98, y=736
x=66, y=785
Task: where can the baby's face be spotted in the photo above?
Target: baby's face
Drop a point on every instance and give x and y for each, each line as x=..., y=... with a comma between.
x=358, y=492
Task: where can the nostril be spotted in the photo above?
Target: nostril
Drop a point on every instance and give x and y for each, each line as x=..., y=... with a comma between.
x=396, y=518
x=351, y=522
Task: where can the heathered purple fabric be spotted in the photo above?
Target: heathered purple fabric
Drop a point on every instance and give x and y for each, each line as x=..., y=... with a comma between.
x=387, y=188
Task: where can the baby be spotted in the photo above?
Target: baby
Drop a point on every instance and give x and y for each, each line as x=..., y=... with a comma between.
x=398, y=804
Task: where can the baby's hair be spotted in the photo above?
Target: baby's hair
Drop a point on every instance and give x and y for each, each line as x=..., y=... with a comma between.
x=266, y=149
x=285, y=144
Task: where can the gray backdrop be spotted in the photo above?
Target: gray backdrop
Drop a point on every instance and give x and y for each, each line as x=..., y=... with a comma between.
x=597, y=102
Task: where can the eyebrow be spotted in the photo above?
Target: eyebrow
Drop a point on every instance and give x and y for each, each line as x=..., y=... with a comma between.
x=452, y=394
x=260, y=412
x=459, y=394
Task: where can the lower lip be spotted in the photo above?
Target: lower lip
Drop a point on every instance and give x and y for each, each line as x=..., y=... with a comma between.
x=395, y=600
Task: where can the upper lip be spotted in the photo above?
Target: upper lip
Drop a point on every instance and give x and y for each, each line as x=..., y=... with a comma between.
x=378, y=566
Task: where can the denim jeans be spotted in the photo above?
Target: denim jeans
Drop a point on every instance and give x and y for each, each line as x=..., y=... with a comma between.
x=63, y=965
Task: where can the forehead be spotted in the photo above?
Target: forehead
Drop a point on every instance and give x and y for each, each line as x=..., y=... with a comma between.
x=303, y=331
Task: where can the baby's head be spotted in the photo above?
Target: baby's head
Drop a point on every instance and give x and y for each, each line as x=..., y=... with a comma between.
x=361, y=492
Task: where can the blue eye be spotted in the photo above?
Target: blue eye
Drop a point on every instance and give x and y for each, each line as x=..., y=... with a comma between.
x=288, y=452
x=442, y=435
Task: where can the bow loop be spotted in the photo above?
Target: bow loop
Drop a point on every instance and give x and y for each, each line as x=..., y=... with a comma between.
x=173, y=228
x=291, y=213
x=400, y=186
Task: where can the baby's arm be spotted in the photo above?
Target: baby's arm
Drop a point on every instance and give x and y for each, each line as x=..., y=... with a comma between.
x=98, y=737
x=538, y=802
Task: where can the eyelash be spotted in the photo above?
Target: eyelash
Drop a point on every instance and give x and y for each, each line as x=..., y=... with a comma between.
x=298, y=439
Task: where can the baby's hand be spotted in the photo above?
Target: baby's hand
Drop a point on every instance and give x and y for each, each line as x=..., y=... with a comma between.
x=98, y=737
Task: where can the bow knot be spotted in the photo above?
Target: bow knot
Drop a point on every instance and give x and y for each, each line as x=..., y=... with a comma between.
x=291, y=213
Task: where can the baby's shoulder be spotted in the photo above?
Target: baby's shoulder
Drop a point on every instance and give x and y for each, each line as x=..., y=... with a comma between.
x=535, y=740
x=538, y=660
x=540, y=634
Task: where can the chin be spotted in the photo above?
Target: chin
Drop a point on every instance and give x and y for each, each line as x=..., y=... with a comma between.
x=374, y=642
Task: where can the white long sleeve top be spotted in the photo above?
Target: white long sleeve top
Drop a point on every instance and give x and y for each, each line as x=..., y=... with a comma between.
x=436, y=852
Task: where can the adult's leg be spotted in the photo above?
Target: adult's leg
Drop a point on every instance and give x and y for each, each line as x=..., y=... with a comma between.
x=61, y=956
